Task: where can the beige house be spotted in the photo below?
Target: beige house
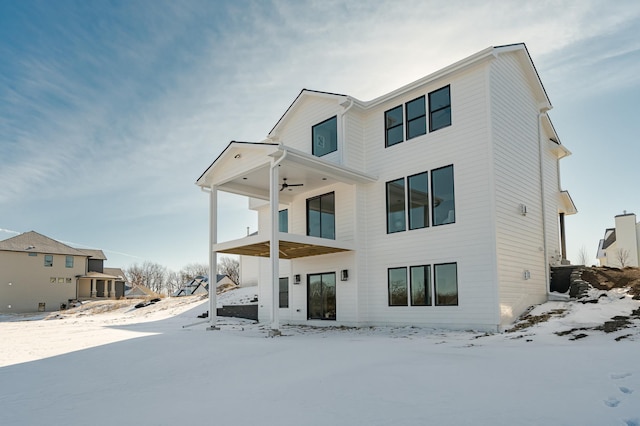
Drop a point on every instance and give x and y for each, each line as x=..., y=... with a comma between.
x=38, y=273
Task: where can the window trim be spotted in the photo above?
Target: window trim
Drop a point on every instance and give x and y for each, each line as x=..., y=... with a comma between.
x=406, y=282
x=68, y=261
x=334, y=215
x=48, y=260
x=424, y=116
x=387, y=128
x=313, y=145
x=432, y=112
x=408, y=201
x=435, y=284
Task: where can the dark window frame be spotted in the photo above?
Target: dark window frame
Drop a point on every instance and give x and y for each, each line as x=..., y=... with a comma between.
x=432, y=111
x=283, y=225
x=406, y=283
x=409, y=204
x=313, y=131
x=433, y=196
x=387, y=128
x=427, y=285
x=322, y=274
x=404, y=204
x=411, y=120
x=436, y=299
x=334, y=215
x=281, y=293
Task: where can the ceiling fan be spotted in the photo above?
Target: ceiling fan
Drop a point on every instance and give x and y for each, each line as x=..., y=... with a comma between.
x=286, y=185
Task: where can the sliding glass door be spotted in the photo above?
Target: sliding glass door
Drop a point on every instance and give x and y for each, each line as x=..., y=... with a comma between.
x=321, y=296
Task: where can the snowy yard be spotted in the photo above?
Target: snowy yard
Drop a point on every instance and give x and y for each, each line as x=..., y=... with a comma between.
x=141, y=366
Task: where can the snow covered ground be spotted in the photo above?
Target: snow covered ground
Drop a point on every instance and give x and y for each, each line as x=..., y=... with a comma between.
x=144, y=367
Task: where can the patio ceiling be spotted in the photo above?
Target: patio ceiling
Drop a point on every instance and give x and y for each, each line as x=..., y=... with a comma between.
x=288, y=249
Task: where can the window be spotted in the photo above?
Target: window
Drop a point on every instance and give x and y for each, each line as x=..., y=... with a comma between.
x=283, y=220
x=33, y=254
x=442, y=196
x=284, y=292
x=321, y=216
x=416, y=118
x=69, y=262
x=60, y=280
x=52, y=280
x=395, y=206
x=325, y=137
x=418, y=200
x=446, y=281
x=68, y=280
x=393, y=126
x=439, y=109
x=397, y=286
x=321, y=296
x=420, y=285
x=48, y=260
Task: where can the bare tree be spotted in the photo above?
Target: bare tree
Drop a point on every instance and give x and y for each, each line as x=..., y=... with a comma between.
x=583, y=256
x=192, y=270
x=229, y=266
x=149, y=274
x=174, y=282
x=622, y=257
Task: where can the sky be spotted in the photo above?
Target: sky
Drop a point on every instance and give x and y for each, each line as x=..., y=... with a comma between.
x=159, y=365
x=110, y=110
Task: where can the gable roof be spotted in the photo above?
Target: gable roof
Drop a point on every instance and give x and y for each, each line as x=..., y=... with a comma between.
x=33, y=242
x=94, y=253
x=116, y=272
x=609, y=237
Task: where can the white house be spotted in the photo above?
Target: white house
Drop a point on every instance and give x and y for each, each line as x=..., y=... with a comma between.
x=621, y=245
x=438, y=204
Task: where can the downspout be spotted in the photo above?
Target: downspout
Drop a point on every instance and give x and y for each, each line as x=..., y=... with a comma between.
x=543, y=205
x=274, y=245
x=344, y=129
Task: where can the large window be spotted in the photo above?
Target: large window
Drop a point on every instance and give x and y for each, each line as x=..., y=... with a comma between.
x=421, y=285
x=443, y=202
x=48, y=260
x=393, y=126
x=418, y=289
x=325, y=137
x=395, y=206
x=418, y=200
x=284, y=292
x=68, y=262
x=446, y=281
x=439, y=109
x=416, y=118
x=283, y=220
x=321, y=216
x=397, y=286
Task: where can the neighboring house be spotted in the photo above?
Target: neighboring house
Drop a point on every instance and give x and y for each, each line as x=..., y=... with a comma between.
x=621, y=245
x=140, y=291
x=38, y=273
x=438, y=204
x=200, y=285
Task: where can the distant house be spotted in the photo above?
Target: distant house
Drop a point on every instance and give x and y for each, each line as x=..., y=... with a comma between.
x=621, y=245
x=38, y=273
x=140, y=291
x=437, y=204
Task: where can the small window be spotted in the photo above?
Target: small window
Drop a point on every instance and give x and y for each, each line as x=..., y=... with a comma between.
x=396, y=221
x=321, y=216
x=33, y=254
x=284, y=292
x=52, y=280
x=442, y=193
x=397, y=286
x=48, y=260
x=69, y=262
x=446, y=284
x=418, y=200
x=283, y=220
x=439, y=109
x=325, y=137
x=60, y=280
x=421, y=285
x=416, y=118
x=393, y=126
x=68, y=280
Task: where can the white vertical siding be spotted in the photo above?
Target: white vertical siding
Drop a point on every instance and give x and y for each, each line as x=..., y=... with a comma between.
x=519, y=238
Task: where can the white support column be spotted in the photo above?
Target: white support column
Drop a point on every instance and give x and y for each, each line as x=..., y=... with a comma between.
x=94, y=290
x=213, y=257
x=274, y=253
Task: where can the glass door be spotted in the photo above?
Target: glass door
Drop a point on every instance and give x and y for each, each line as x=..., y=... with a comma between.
x=321, y=296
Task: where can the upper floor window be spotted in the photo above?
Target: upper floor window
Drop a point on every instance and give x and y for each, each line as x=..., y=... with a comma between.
x=396, y=221
x=325, y=137
x=418, y=200
x=283, y=220
x=439, y=109
x=68, y=262
x=416, y=118
x=321, y=216
x=48, y=260
x=443, y=200
x=393, y=126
